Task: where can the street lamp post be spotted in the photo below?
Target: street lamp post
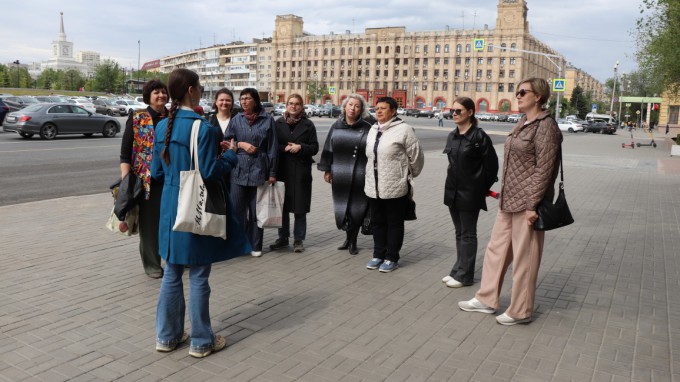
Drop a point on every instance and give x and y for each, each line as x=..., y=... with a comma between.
x=139, y=51
x=611, y=107
x=17, y=68
x=415, y=91
x=623, y=81
x=316, y=86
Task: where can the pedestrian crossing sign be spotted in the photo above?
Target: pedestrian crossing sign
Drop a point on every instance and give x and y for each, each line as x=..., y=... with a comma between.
x=479, y=44
x=559, y=84
x=331, y=90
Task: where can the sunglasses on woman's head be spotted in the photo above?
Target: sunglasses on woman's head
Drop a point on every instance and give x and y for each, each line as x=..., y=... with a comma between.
x=523, y=92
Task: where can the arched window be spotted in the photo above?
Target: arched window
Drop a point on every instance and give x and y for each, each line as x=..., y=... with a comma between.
x=482, y=106
x=284, y=53
x=278, y=54
x=368, y=50
x=350, y=51
x=437, y=48
x=332, y=51
x=503, y=45
x=417, y=48
x=458, y=49
x=426, y=48
x=513, y=45
x=325, y=51
x=446, y=48
x=441, y=104
x=293, y=52
x=361, y=50
x=342, y=51
x=468, y=47
x=420, y=103
x=309, y=52
x=504, y=106
x=405, y=49
x=397, y=49
x=316, y=52
x=387, y=49
x=378, y=50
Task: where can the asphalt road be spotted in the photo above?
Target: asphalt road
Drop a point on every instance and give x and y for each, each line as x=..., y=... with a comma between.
x=33, y=169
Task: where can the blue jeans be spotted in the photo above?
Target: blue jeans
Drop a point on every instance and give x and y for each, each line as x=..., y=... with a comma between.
x=299, y=229
x=171, y=307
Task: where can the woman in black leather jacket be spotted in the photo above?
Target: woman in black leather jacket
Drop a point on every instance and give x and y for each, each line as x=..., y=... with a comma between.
x=473, y=169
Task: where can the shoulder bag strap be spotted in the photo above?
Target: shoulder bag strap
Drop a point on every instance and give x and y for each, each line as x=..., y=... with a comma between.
x=194, y=143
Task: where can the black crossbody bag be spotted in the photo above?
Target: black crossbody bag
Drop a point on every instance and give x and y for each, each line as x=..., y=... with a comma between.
x=551, y=216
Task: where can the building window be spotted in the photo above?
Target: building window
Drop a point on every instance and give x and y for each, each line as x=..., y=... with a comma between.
x=488, y=86
x=405, y=73
x=437, y=48
x=436, y=61
x=361, y=50
x=435, y=86
x=478, y=86
x=417, y=48
x=511, y=88
x=425, y=61
x=511, y=73
x=293, y=53
x=417, y=61
x=489, y=61
x=483, y=106
x=278, y=54
x=397, y=49
x=446, y=60
x=458, y=60
x=456, y=87
x=488, y=74
x=503, y=45
x=332, y=51
x=467, y=61
x=501, y=73
x=387, y=49
x=368, y=50
x=513, y=45
x=457, y=73
x=489, y=47
x=512, y=60
x=502, y=61
x=466, y=86
x=468, y=48
x=445, y=86
x=378, y=50
x=316, y=52
x=385, y=72
x=479, y=74
x=480, y=60
x=501, y=88
x=425, y=48
x=350, y=51
x=436, y=72
x=446, y=48
x=458, y=49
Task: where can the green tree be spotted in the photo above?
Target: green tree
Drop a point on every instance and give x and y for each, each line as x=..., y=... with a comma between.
x=48, y=79
x=108, y=77
x=658, y=38
x=72, y=79
x=578, y=103
x=316, y=91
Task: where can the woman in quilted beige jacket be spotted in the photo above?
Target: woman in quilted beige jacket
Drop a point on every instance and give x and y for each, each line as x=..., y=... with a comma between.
x=529, y=171
x=394, y=155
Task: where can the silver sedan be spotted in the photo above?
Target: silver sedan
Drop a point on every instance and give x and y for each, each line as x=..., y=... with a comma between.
x=51, y=119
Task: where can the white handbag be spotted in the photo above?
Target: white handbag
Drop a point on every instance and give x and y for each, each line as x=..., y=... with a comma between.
x=201, y=208
x=269, y=207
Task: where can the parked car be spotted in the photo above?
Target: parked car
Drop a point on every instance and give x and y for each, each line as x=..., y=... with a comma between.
x=569, y=125
x=371, y=112
x=412, y=112
x=108, y=107
x=401, y=111
x=600, y=127
x=311, y=110
x=425, y=114
x=268, y=107
x=47, y=99
x=15, y=103
x=279, y=109
x=4, y=109
x=206, y=105
x=330, y=111
x=130, y=105
x=447, y=114
x=84, y=103
x=502, y=117
x=514, y=118
x=51, y=119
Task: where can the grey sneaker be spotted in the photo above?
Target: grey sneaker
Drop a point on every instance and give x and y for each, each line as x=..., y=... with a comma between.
x=298, y=247
x=504, y=319
x=374, y=263
x=279, y=244
x=475, y=305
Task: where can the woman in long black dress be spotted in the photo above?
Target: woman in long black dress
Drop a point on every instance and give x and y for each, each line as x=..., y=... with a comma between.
x=343, y=161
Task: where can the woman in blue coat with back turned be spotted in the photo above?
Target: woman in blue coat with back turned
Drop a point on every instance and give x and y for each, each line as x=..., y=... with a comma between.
x=171, y=154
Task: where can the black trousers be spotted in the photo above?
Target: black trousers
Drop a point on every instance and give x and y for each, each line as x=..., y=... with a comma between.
x=149, y=217
x=465, y=223
x=388, y=227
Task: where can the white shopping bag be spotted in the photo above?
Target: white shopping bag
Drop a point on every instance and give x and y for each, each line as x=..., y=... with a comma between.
x=269, y=206
x=200, y=209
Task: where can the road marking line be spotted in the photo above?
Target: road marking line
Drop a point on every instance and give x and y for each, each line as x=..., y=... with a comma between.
x=55, y=149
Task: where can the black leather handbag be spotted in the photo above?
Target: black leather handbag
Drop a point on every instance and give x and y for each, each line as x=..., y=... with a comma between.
x=551, y=216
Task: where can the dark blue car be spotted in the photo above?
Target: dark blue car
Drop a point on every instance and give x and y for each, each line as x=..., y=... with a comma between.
x=4, y=109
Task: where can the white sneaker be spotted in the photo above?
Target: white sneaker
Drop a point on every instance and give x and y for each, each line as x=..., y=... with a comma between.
x=453, y=283
x=256, y=253
x=504, y=319
x=474, y=305
x=447, y=279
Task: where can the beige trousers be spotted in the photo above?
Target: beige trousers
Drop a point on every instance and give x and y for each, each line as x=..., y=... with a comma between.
x=512, y=241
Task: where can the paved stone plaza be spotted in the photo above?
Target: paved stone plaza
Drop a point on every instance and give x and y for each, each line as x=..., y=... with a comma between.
x=76, y=305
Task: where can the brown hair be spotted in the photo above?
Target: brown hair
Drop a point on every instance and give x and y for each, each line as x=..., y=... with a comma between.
x=299, y=97
x=178, y=86
x=540, y=87
x=149, y=87
x=223, y=91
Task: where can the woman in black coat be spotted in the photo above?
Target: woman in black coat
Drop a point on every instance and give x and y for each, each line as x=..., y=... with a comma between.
x=343, y=161
x=297, y=144
x=473, y=169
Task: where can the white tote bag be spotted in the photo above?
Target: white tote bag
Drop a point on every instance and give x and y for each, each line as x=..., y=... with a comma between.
x=201, y=209
x=269, y=206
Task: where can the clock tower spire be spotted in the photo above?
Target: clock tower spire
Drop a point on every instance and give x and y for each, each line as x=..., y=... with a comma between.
x=512, y=15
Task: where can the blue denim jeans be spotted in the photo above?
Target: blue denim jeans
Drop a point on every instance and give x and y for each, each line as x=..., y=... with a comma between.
x=299, y=229
x=171, y=307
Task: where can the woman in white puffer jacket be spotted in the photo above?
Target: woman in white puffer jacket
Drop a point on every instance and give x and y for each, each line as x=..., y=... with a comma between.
x=394, y=155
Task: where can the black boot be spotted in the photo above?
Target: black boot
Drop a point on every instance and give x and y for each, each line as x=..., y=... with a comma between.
x=344, y=245
x=353, y=250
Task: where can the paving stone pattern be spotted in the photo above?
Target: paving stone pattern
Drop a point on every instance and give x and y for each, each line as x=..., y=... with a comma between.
x=75, y=304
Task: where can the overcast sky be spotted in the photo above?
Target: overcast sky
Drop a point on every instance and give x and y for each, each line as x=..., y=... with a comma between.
x=591, y=34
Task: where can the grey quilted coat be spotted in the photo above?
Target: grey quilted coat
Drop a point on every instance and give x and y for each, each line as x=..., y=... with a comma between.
x=530, y=163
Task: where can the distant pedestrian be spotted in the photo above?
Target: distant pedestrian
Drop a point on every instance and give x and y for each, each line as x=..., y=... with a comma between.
x=667, y=128
x=472, y=170
x=440, y=118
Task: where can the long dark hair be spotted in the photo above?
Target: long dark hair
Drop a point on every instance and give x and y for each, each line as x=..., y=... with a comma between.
x=256, y=97
x=178, y=87
x=468, y=104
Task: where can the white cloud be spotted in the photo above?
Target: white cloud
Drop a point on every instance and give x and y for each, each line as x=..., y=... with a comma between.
x=590, y=34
